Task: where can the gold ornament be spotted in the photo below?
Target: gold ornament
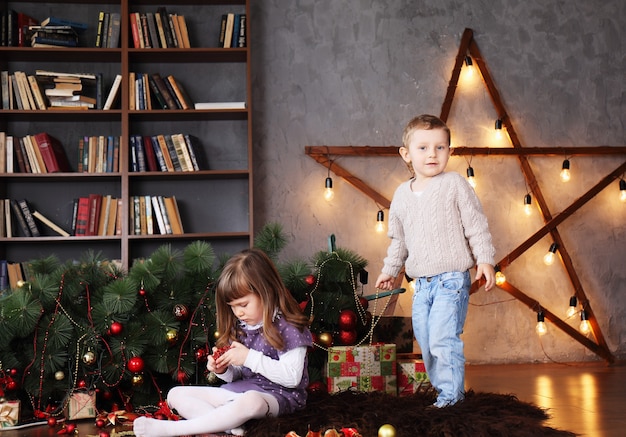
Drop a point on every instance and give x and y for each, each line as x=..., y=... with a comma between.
x=137, y=379
x=326, y=339
x=171, y=336
x=386, y=431
x=59, y=375
x=89, y=358
x=216, y=334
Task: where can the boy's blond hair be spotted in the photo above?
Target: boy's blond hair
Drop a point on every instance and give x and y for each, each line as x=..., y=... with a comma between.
x=423, y=122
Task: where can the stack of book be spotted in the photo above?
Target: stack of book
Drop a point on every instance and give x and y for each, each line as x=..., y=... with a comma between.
x=151, y=91
x=166, y=153
x=70, y=90
x=38, y=153
x=159, y=30
x=97, y=214
x=53, y=36
x=233, y=31
x=151, y=215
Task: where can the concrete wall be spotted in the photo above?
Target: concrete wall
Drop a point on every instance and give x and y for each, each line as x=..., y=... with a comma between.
x=330, y=72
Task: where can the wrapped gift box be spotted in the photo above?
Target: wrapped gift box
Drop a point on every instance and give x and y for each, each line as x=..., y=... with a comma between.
x=412, y=377
x=363, y=368
x=9, y=413
x=82, y=405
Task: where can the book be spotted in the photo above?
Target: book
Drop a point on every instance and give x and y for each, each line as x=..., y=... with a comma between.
x=8, y=221
x=166, y=220
x=4, y=276
x=28, y=217
x=173, y=215
x=16, y=277
x=113, y=93
x=173, y=20
x=242, y=35
x=38, y=96
x=158, y=215
x=18, y=146
x=37, y=162
x=183, y=152
x=179, y=93
x=52, y=153
x=10, y=154
x=49, y=223
x=151, y=160
x=152, y=30
x=82, y=217
x=95, y=204
x=167, y=30
x=184, y=32
x=145, y=31
x=110, y=230
x=26, y=96
x=194, y=152
x=222, y=33
x=114, y=30
x=103, y=219
x=220, y=105
x=22, y=152
x=15, y=95
x=228, y=32
x=163, y=89
x=134, y=29
x=3, y=152
x=23, y=23
x=100, y=29
x=19, y=218
x=57, y=21
x=4, y=80
x=160, y=30
x=172, y=151
x=158, y=153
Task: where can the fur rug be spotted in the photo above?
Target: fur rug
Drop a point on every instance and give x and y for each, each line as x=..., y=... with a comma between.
x=480, y=414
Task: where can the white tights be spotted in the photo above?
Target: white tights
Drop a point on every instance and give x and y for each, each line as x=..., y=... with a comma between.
x=207, y=410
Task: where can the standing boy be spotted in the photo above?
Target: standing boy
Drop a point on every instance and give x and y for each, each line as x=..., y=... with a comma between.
x=438, y=232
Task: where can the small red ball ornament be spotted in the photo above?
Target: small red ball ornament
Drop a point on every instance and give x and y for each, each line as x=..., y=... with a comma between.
x=310, y=279
x=316, y=387
x=181, y=312
x=100, y=423
x=11, y=385
x=347, y=320
x=181, y=377
x=347, y=338
x=70, y=428
x=103, y=434
x=52, y=422
x=116, y=328
x=364, y=302
x=201, y=354
x=135, y=364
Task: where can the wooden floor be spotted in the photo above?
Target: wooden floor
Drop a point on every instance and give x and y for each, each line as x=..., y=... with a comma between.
x=585, y=398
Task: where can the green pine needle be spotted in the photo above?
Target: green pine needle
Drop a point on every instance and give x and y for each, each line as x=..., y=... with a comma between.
x=271, y=239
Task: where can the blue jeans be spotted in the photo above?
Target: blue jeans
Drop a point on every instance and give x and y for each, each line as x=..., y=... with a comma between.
x=439, y=309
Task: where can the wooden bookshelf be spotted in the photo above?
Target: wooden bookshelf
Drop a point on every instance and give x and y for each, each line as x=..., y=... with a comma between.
x=216, y=203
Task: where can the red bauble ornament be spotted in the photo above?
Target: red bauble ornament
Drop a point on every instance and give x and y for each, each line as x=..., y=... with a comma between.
x=70, y=428
x=347, y=338
x=116, y=328
x=13, y=372
x=135, y=364
x=347, y=320
x=316, y=387
x=364, y=302
x=201, y=354
x=142, y=291
x=52, y=422
x=181, y=377
x=310, y=279
x=103, y=434
x=82, y=383
x=181, y=312
x=100, y=423
x=11, y=385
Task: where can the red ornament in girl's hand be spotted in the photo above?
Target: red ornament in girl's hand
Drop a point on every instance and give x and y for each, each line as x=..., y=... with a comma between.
x=220, y=351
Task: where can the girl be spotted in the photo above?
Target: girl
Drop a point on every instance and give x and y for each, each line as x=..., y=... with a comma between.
x=264, y=366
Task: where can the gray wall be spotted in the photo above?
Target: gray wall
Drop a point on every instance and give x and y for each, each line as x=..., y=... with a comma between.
x=330, y=72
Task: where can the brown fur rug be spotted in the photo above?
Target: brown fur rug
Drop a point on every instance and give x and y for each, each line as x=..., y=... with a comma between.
x=480, y=414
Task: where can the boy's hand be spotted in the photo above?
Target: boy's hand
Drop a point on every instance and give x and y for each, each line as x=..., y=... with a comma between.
x=488, y=272
x=384, y=282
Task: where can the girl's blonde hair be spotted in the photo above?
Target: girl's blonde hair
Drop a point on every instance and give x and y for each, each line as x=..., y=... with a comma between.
x=252, y=271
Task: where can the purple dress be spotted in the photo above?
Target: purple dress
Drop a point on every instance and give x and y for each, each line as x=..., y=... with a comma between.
x=289, y=399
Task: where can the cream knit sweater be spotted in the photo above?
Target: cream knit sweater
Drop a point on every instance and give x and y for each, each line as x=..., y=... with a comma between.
x=442, y=230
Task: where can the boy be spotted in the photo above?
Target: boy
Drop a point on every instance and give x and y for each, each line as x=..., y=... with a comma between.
x=438, y=232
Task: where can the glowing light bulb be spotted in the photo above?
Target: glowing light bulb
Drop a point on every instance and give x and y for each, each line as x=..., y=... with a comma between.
x=470, y=177
x=328, y=191
x=541, y=328
x=498, y=129
x=549, y=257
x=470, y=65
x=380, y=222
x=571, y=310
x=585, y=326
x=622, y=190
x=565, y=174
x=500, y=278
x=528, y=204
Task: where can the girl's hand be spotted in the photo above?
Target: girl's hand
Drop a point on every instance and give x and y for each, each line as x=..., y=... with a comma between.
x=235, y=356
x=212, y=362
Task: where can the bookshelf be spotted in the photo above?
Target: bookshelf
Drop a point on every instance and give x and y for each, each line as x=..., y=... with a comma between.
x=215, y=203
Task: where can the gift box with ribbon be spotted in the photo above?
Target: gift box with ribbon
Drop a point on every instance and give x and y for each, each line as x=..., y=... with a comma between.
x=82, y=405
x=412, y=377
x=9, y=413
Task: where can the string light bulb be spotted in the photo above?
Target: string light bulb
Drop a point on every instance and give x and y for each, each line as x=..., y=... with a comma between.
x=498, y=129
x=380, y=221
x=571, y=310
x=528, y=204
x=565, y=173
x=329, y=194
x=585, y=326
x=470, y=176
x=500, y=278
x=622, y=190
x=470, y=65
x=549, y=257
x=541, y=328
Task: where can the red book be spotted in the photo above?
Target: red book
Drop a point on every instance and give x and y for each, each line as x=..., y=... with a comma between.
x=23, y=21
x=82, y=217
x=95, y=203
x=151, y=161
x=52, y=153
